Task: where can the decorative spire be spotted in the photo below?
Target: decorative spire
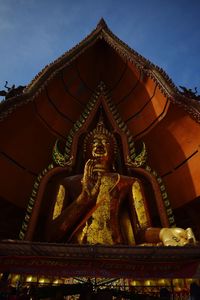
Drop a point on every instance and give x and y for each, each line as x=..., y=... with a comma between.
x=102, y=24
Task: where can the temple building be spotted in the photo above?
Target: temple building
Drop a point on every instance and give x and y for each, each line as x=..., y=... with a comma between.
x=100, y=94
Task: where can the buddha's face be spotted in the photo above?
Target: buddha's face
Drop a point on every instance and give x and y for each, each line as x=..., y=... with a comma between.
x=101, y=147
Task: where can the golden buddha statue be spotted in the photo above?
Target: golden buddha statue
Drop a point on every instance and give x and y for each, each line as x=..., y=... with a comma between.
x=99, y=207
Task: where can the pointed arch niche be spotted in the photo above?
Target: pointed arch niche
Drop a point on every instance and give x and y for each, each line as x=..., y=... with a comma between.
x=68, y=160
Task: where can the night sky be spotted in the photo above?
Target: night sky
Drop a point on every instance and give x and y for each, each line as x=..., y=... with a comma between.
x=34, y=33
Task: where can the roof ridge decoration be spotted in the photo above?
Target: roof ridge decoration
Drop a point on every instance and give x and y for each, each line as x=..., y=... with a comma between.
x=102, y=31
x=102, y=24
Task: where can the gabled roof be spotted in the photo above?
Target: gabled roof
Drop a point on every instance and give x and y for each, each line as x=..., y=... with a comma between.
x=102, y=32
x=142, y=93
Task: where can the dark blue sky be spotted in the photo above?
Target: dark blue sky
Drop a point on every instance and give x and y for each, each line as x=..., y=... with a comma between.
x=33, y=33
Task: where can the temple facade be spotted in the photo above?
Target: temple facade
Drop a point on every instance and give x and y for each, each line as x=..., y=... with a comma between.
x=43, y=127
x=150, y=105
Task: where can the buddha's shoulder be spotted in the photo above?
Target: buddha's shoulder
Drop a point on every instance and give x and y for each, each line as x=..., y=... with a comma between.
x=122, y=177
x=71, y=179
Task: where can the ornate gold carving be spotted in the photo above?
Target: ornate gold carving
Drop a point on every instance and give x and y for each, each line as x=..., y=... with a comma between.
x=59, y=202
x=99, y=232
x=139, y=160
x=59, y=158
x=139, y=205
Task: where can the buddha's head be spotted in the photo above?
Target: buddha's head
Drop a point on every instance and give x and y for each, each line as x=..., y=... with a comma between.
x=100, y=144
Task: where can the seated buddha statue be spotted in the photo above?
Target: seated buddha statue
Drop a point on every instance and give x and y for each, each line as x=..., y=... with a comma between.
x=98, y=206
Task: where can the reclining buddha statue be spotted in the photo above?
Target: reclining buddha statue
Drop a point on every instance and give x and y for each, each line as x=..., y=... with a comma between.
x=101, y=206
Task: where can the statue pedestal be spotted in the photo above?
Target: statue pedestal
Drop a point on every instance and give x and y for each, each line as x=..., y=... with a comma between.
x=69, y=260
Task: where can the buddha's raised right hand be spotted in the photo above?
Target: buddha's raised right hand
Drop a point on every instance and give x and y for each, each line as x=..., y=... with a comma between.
x=91, y=182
